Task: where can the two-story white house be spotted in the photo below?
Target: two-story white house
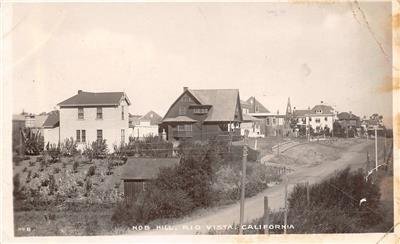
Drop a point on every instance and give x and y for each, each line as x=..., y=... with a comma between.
x=92, y=116
x=319, y=117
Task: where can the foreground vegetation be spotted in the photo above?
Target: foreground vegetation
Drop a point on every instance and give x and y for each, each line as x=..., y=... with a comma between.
x=64, y=191
x=334, y=207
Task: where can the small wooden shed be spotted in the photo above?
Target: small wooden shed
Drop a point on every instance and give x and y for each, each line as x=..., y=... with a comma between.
x=138, y=172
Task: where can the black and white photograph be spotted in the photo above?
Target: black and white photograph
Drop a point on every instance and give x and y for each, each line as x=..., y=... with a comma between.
x=221, y=119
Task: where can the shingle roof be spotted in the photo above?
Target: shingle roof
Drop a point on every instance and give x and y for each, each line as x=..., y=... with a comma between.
x=146, y=168
x=223, y=102
x=53, y=119
x=299, y=112
x=253, y=102
x=249, y=118
x=347, y=116
x=19, y=117
x=326, y=109
x=39, y=120
x=151, y=116
x=95, y=99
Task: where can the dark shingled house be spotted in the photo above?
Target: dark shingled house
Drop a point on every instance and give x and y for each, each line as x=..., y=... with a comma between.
x=204, y=114
x=138, y=172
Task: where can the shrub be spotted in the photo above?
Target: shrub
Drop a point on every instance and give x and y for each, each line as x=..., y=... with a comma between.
x=75, y=166
x=91, y=170
x=33, y=142
x=68, y=148
x=35, y=175
x=150, y=146
x=88, y=187
x=56, y=170
x=28, y=177
x=16, y=184
x=24, y=169
x=79, y=183
x=336, y=200
x=17, y=160
x=32, y=163
x=52, y=185
x=54, y=152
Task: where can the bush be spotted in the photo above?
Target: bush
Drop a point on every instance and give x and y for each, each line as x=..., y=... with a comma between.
x=33, y=142
x=24, y=169
x=52, y=185
x=54, y=152
x=68, y=148
x=75, y=166
x=150, y=146
x=28, y=177
x=88, y=187
x=32, y=163
x=91, y=171
x=334, y=204
x=56, y=170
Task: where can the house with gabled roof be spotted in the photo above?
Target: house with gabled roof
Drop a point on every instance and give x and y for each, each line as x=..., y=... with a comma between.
x=204, y=114
x=146, y=125
x=320, y=117
x=94, y=116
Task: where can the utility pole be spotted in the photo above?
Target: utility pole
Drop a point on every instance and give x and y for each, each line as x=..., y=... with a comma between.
x=286, y=207
x=266, y=215
x=376, y=147
x=242, y=195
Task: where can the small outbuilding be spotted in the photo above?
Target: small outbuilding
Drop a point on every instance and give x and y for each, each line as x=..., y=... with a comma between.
x=139, y=172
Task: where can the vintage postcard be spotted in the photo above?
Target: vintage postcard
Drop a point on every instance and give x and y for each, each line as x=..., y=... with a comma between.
x=200, y=121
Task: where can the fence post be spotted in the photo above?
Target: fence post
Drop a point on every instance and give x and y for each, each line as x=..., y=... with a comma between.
x=266, y=215
x=242, y=195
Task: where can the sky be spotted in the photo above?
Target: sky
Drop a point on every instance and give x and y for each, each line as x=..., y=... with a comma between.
x=339, y=53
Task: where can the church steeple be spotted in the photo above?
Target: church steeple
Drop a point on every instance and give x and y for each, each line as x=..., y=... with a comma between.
x=288, y=108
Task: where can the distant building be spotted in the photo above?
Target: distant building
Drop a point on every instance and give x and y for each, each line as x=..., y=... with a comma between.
x=51, y=128
x=265, y=123
x=146, y=125
x=94, y=116
x=318, y=118
x=204, y=114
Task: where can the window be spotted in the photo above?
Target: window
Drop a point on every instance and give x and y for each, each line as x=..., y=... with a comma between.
x=99, y=113
x=200, y=110
x=122, y=136
x=122, y=112
x=326, y=118
x=83, y=132
x=267, y=121
x=273, y=121
x=182, y=110
x=310, y=119
x=99, y=135
x=186, y=99
x=318, y=120
x=185, y=127
x=78, y=136
x=81, y=114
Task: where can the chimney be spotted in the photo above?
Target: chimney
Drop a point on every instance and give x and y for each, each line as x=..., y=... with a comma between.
x=185, y=88
x=79, y=91
x=277, y=112
x=322, y=102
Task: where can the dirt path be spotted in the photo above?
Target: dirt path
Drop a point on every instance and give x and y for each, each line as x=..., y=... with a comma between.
x=354, y=156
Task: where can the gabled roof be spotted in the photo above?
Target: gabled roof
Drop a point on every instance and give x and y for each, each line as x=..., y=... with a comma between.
x=146, y=168
x=151, y=116
x=326, y=109
x=253, y=103
x=53, y=119
x=347, y=116
x=249, y=118
x=95, y=99
x=299, y=112
x=18, y=117
x=223, y=102
x=39, y=120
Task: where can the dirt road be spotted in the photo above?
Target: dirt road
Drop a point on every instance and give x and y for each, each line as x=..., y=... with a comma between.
x=354, y=156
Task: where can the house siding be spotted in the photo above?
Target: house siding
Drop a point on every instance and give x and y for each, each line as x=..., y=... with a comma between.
x=111, y=124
